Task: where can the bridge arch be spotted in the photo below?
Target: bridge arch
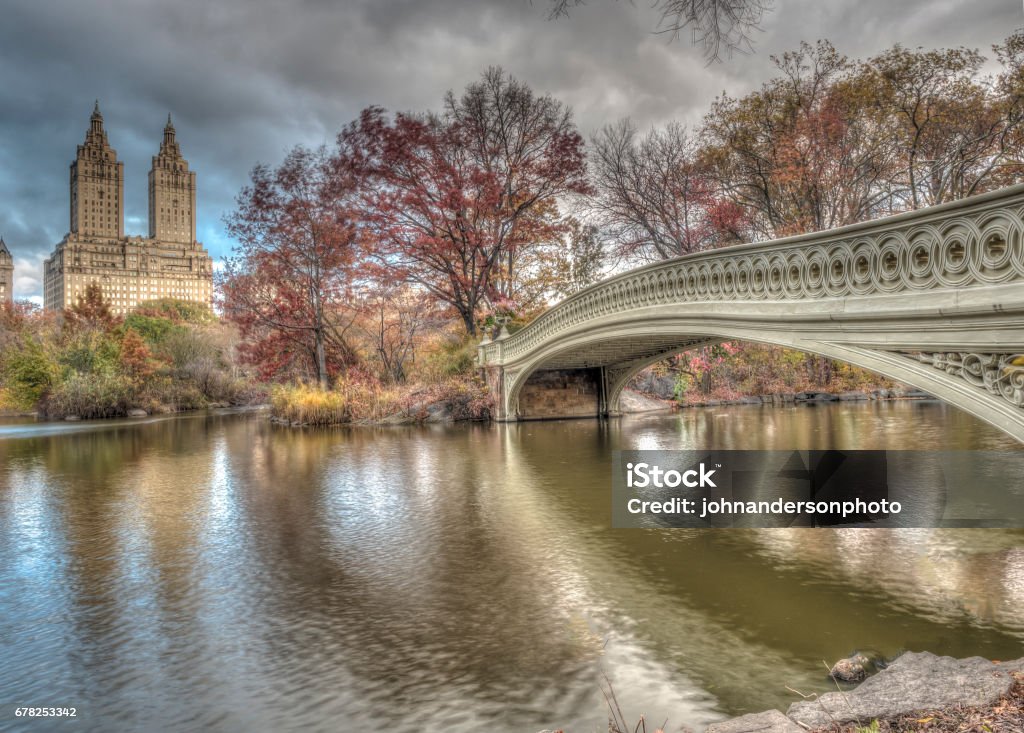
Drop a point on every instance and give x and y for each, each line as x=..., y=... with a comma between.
x=933, y=298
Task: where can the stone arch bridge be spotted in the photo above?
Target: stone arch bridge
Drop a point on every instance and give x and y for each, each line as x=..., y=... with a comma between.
x=933, y=298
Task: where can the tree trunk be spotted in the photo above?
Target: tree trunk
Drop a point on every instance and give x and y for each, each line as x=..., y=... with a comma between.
x=321, y=360
x=468, y=321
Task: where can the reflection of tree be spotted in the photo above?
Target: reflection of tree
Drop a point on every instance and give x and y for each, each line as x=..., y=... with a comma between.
x=720, y=609
x=401, y=572
x=384, y=560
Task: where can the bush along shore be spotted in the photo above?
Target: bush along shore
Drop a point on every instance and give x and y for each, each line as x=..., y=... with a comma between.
x=87, y=363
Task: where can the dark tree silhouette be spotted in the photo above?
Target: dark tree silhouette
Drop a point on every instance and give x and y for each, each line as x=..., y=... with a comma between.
x=716, y=25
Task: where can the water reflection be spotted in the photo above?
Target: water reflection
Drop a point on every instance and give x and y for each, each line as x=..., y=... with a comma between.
x=222, y=573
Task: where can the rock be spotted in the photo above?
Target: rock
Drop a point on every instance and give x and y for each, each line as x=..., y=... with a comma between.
x=883, y=394
x=749, y=401
x=815, y=397
x=438, y=412
x=771, y=721
x=852, y=396
x=72, y=418
x=851, y=669
x=788, y=397
x=136, y=412
x=914, y=682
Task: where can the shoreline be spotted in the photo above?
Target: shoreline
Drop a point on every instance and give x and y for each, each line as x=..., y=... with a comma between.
x=812, y=396
x=446, y=412
x=916, y=691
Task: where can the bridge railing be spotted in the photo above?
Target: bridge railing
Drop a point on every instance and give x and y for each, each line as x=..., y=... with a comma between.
x=979, y=240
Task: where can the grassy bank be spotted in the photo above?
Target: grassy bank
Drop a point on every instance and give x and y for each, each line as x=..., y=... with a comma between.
x=367, y=401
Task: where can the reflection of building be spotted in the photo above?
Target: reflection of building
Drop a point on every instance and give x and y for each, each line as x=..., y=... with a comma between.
x=6, y=273
x=169, y=263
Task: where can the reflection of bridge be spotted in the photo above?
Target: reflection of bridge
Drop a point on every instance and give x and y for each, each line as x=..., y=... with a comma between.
x=933, y=298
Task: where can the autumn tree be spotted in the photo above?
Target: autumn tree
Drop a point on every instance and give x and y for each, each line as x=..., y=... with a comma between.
x=803, y=153
x=940, y=114
x=90, y=311
x=450, y=199
x=288, y=283
x=393, y=321
x=580, y=260
x=652, y=195
x=135, y=358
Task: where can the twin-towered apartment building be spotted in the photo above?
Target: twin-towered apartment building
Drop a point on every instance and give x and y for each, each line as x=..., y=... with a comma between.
x=169, y=263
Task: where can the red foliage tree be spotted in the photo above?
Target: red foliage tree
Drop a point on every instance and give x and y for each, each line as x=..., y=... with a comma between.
x=287, y=286
x=135, y=357
x=450, y=198
x=90, y=311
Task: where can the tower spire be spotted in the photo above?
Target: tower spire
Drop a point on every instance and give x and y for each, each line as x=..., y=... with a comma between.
x=96, y=120
x=168, y=133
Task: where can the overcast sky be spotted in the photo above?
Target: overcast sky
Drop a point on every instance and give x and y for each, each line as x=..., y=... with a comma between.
x=245, y=80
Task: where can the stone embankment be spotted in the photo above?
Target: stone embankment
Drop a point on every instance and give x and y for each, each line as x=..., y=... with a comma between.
x=805, y=397
x=663, y=387
x=918, y=683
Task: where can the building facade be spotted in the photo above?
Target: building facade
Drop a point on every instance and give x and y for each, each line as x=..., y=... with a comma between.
x=6, y=273
x=169, y=263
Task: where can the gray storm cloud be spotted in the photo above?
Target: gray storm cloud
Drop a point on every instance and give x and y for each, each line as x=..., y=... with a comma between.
x=248, y=79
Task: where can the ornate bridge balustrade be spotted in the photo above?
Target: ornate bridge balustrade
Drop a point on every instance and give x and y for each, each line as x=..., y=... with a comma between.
x=933, y=298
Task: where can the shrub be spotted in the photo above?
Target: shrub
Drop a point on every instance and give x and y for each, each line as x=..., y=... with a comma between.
x=28, y=374
x=153, y=329
x=90, y=396
x=447, y=359
x=306, y=405
x=176, y=311
x=357, y=399
x=89, y=351
x=176, y=396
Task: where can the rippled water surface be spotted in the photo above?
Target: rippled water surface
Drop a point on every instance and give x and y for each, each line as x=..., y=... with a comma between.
x=221, y=573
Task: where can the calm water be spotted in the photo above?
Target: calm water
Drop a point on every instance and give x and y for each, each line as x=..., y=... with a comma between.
x=220, y=573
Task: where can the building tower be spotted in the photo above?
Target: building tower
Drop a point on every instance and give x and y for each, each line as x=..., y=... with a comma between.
x=6, y=273
x=172, y=193
x=97, y=186
x=130, y=270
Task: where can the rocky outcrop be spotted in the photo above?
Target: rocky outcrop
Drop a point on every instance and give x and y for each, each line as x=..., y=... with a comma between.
x=913, y=682
x=770, y=721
